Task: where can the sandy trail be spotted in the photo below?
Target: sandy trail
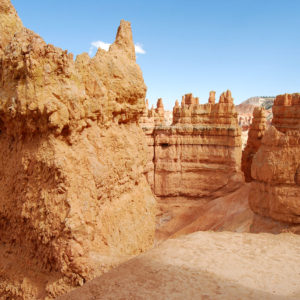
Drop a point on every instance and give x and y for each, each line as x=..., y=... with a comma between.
x=206, y=265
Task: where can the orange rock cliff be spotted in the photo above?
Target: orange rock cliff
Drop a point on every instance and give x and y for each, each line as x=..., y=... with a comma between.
x=255, y=135
x=73, y=198
x=276, y=166
x=200, y=153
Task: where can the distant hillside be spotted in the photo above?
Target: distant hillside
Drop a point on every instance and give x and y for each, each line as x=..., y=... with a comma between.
x=248, y=105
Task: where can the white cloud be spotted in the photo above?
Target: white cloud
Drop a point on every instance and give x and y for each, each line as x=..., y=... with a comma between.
x=100, y=44
x=139, y=49
x=105, y=46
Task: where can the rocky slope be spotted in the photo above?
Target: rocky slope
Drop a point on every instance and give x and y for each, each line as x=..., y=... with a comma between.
x=199, y=155
x=205, y=265
x=276, y=166
x=73, y=198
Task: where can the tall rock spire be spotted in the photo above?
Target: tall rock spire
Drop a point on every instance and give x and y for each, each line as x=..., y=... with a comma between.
x=226, y=97
x=212, y=97
x=10, y=23
x=124, y=40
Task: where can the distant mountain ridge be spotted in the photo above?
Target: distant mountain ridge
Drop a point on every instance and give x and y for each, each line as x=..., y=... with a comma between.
x=248, y=105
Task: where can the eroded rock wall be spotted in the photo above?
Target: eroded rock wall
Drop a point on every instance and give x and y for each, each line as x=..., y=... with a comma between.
x=73, y=197
x=199, y=155
x=275, y=168
x=255, y=135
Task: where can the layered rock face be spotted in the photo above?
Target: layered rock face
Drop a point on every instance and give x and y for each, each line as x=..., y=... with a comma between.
x=199, y=155
x=73, y=198
x=255, y=135
x=275, y=168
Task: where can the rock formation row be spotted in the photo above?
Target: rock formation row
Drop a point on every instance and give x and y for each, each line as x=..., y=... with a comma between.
x=199, y=154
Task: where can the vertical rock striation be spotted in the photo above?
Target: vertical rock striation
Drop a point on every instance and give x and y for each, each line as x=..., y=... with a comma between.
x=275, y=168
x=73, y=198
x=255, y=135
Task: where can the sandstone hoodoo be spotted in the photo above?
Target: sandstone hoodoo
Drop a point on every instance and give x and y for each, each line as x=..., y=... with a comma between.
x=275, y=191
x=255, y=135
x=160, y=111
x=199, y=155
x=73, y=198
x=212, y=97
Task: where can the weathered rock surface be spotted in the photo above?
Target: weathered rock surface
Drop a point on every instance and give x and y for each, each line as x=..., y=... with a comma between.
x=73, y=198
x=199, y=155
x=275, y=168
x=205, y=265
x=255, y=135
x=9, y=24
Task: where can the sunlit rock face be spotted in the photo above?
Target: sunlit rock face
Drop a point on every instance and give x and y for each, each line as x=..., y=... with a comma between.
x=73, y=198
x=199, y=155
x=275, y=168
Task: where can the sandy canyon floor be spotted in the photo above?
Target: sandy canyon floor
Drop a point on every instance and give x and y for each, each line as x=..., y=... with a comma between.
x=206, y=265
x=204, y=250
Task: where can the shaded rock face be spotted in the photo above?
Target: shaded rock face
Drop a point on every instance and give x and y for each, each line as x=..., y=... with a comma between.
x=275, y=168
x=73, y=198
x=255, y=135
x=199, y=155
x=151, y=118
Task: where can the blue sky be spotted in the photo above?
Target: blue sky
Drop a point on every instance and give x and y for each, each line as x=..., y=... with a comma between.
x=250, y=47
